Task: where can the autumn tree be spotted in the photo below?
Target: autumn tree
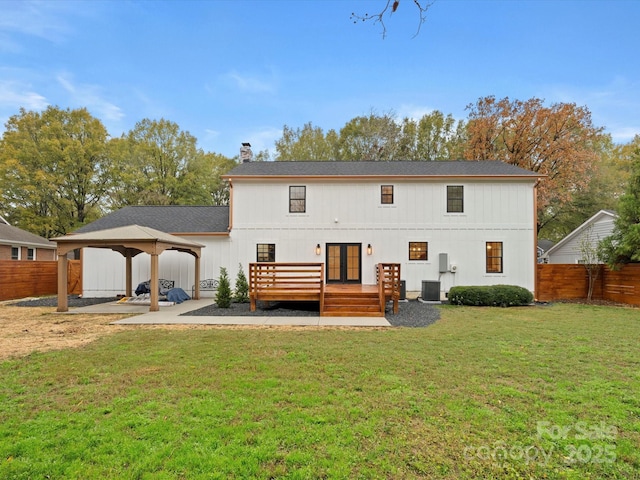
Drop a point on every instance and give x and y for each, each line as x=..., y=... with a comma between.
x=559, y=141
x=606, y=182
x=54, y=170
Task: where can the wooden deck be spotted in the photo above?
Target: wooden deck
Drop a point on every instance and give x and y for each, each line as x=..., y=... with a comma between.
x=305, y=282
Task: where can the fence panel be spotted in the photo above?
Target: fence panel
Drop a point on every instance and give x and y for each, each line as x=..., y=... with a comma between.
x=623, y=286
x=570, y=281
x=20, y=279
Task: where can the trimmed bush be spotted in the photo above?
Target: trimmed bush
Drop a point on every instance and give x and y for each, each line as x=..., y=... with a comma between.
x=490, y=296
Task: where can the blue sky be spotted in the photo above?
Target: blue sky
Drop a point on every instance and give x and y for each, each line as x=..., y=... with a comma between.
x=234, y=71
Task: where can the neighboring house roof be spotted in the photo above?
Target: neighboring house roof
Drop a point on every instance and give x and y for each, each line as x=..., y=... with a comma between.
x=175, y=219
x=594, y=219
x=459, y=168
x=10, y=235
x=544, y=244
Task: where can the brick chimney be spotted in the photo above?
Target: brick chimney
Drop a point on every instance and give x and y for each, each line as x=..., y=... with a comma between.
x=246, y=155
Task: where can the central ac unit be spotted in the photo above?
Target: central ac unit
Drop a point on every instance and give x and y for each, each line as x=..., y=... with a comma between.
x=430, y=291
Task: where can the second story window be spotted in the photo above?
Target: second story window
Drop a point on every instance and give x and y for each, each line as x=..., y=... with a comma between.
x=386, y=194
x=455, y=199
x=297, y=199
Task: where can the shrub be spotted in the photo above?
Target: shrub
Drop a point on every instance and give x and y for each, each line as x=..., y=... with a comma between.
x=241, y=294
x=490, y=295
x=223, y=296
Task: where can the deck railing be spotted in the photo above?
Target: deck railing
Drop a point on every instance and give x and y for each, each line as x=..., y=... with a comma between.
x=388, y=280
x=286, y=281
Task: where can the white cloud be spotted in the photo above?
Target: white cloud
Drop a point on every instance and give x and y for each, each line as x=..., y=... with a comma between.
x=263, y=138
x=210, y=134
x=250, y=84
x=623, y=134
x=45, y=20
x=14, y=96
x=414, y=112
x=613, y=105
x=89, y=96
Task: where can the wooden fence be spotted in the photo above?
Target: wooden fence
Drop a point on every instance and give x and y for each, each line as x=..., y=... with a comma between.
x=20, y=279
x=570, y=281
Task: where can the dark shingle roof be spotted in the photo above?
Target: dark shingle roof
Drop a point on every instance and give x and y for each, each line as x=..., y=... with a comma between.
x=175, y=219
x=382, y=169
x=10, y=235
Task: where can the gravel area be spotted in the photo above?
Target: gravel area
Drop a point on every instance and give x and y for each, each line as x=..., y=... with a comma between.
x=410, y=314
x=74, y=301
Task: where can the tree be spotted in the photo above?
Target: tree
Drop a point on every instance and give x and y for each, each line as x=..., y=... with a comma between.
x=432, y=137
x=241, y=292
x=623, y=245
x=160, y=164
x=391, y=6
x=375, y=137
x=591, y=257
x=201, y=180
x=308, y=143
x=54, y=170
x=559, y=141
x=607, y=180
x=223, y=295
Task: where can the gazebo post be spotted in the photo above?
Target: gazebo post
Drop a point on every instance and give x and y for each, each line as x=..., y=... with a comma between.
x=63, y=303
x=153, y=284
x=129, y=290
x=196, y=292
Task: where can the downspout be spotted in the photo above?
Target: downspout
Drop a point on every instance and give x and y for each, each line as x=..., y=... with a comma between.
x=535, y=239
x=230, y=206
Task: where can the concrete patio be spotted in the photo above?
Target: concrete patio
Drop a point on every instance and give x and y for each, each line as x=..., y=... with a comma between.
x=171, y=315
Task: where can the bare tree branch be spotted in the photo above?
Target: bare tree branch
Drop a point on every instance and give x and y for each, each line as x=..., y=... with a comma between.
x=392, y=5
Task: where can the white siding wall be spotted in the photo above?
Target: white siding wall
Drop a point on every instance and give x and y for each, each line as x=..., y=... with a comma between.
x=341, y=212
x=347, y=212
x=569, y=251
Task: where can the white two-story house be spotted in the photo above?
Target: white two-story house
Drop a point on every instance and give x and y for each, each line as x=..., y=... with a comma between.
x=456, y=223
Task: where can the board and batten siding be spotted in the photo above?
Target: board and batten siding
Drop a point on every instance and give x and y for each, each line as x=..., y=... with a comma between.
x=104, y=271
x=351, y=212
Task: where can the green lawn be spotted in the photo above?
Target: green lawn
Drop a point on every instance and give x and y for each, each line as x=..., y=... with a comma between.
x=536, y=392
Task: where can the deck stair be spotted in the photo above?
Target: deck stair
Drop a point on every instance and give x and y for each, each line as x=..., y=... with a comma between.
x=352, y=302
x=271, y=281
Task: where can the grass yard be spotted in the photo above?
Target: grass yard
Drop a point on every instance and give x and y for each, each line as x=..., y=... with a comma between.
x=536, y=392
